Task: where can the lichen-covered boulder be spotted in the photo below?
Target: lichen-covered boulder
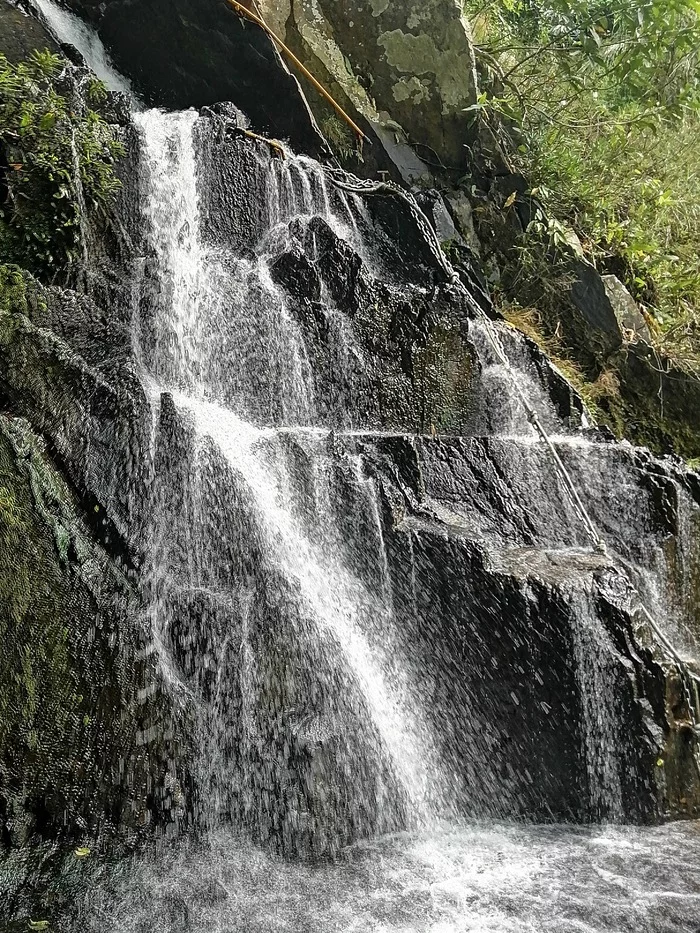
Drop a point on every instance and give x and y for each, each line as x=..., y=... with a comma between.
x=407, y=67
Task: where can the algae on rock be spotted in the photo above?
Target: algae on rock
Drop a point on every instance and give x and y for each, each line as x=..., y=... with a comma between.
x=73, y=760
x=407, y=68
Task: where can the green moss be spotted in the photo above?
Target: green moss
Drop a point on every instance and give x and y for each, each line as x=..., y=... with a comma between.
x=13, y=289
x=35, y=667
x=57, y=159
x=647, y=401
x=442, y=375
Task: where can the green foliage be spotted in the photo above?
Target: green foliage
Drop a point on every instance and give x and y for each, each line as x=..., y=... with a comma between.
x=603, y=104
x=634, y=198
x=341, y=138
x=643, y=52
x=57, y=160
x=13, y=290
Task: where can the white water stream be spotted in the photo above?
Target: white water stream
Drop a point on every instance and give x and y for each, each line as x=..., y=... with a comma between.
x=71, y=29
x=198, y=366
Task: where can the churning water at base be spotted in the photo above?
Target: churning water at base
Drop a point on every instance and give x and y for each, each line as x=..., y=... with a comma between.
x=494, y=878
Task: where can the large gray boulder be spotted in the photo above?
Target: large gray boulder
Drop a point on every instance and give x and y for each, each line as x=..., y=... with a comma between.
x=406, y=67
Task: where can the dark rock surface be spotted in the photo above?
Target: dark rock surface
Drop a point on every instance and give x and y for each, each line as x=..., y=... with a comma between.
x=67, y=363
x=90, y=746
x=21, y=34
x=191, y=53
x=84, y=751
x=497, y=625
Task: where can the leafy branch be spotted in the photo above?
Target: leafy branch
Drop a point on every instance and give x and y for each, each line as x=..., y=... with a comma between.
x=57, y=162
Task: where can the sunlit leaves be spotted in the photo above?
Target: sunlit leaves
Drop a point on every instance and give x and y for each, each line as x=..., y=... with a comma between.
x=61, y=155
x=606, y=100
x=629, y=51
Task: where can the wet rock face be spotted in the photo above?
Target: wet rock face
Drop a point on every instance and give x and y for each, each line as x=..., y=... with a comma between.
x=412, y=365
x=88, y=742
x=407, y=63
x=390, y=342
x=515, y=624
x=196, y=52
x=67, y=367
x=82, y=747
x=564, y=702
x=21, y=34
x=286, y=756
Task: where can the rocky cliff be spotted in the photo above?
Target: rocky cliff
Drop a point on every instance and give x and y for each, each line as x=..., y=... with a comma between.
x=139, y=571
x=88, y=741
x=408, y=74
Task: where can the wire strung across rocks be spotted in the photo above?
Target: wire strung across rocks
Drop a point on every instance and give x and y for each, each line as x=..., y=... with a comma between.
x=350, y=183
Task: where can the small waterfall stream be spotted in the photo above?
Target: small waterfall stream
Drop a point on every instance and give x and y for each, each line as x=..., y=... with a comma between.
x=70, y=28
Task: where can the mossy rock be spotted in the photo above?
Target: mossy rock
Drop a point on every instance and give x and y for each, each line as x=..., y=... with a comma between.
x=20, y=35
x=79, y=693
x=659, y=402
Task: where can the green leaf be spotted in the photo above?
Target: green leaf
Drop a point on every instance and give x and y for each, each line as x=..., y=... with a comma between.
x=48, y=121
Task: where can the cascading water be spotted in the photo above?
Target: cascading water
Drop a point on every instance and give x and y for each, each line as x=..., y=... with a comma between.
x=71, y=29
x=336, y=693
x=223, y=344
x=602, y=739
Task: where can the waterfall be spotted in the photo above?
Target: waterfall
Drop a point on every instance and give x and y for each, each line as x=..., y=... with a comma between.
x=217, y=339
x=70, y=29
x=385, y=656
x=221, y=328
x=242, y=462
x=602, y=739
